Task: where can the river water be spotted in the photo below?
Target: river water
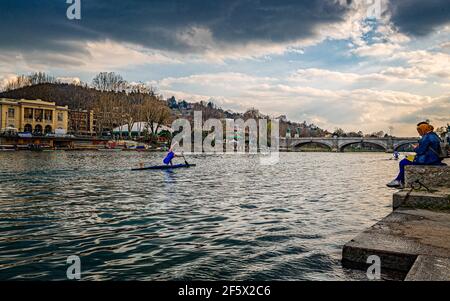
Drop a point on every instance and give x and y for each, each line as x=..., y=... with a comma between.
x=229, y=218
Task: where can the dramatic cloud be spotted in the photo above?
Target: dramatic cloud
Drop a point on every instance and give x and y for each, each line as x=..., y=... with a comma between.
x=337, y=63
x=215, y=29
x=365, y=109
x=428, y=63
x=419, y=17
x=178, y=25
x=437, y=111
x=341, y=79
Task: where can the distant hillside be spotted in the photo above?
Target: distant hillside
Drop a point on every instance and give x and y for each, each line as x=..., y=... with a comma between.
x=63, y=94
x=185, y=109
x=74, y=96
x=83, y=97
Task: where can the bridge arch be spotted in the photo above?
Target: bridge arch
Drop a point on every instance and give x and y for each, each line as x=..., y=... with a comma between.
x=403, y=143
x=297, y=145
x=348, y=143
x=388, y=144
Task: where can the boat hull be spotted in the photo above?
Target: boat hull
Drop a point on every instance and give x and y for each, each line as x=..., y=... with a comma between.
x=165, y=167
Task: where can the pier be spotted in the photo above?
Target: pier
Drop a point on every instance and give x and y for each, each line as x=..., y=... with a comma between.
x=413, y=241
x=61, y=142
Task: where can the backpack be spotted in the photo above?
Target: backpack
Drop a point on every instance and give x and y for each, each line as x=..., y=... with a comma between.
x=438, y=153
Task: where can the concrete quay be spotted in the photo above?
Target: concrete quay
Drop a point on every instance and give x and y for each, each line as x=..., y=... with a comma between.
x=414, y=240
x=437, y=199
x=429, y=268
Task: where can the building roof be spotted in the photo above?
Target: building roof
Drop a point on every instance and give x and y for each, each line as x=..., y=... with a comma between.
x=38, y=102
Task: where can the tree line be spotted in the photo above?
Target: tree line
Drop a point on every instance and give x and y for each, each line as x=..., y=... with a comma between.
x=114, y=101
x=117, y=102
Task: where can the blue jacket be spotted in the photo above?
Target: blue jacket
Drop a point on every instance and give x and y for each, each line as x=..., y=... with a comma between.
x=424, y=153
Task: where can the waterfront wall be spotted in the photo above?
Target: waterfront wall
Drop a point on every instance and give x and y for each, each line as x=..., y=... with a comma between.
x=413, y=241
x=430, y=176
x=59, y=142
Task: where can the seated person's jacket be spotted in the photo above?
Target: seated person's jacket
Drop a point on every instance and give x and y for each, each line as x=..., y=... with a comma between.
x=425, y=154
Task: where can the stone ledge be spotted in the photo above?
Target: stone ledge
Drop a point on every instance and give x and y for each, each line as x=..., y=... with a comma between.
x=400, y=238
x=430, y=268
x=430, y=176
x=437, y=200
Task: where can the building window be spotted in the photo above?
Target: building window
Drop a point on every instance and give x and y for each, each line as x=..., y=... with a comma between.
x=38, y=115
x=28, y=128
x=38, y=129
x=48, y=129
x=11, y=113
x=28, y=113
x=60, y=117
x=48, y=115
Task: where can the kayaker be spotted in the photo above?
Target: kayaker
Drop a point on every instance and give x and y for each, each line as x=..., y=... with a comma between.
x=396, y=155
x=169, y=157
x=171, y=154
x=427, y=153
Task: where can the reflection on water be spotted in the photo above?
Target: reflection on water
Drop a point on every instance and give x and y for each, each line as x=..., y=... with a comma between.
x=228, y=218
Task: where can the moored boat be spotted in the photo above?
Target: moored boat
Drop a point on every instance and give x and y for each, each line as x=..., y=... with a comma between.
x=7, y=148
x=109, y=150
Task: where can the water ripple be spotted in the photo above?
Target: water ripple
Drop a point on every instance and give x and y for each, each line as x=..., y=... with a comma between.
x=228, y=218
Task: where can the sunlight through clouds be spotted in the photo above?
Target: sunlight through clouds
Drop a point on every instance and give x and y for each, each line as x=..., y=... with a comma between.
x=331, y=62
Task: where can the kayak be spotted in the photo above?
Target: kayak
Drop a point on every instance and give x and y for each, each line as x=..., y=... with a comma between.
x=162, y=167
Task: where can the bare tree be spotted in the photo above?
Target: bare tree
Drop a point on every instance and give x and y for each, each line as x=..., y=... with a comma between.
x=41, y=78
x=391, y=130
x=107, y=114
x=131, y=115
x=140, y=88
x=109, y=81
x=30, y=80
x=339, y=132
x=155, y=114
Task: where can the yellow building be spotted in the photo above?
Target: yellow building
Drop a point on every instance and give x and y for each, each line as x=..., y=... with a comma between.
x=33, y=116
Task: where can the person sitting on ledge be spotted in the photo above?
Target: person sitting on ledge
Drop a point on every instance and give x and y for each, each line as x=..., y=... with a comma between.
x=427, y=153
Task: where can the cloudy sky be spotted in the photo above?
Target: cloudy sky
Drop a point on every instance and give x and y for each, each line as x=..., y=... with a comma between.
x=367, y=64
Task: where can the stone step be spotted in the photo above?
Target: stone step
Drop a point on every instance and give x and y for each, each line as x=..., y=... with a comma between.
x=430, y=176
x=438, y=199
x=400, y=238
x=429, y=268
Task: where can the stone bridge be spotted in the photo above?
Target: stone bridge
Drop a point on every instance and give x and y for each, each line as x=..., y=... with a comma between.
x=337, y=144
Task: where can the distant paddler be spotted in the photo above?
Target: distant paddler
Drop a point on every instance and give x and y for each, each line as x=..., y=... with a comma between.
x=171, y=154
x=396, y=155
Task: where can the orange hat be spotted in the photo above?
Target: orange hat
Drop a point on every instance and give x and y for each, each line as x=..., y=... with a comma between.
x=424, y=128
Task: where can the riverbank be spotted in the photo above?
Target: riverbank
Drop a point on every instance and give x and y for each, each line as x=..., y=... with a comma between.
x=413, y=241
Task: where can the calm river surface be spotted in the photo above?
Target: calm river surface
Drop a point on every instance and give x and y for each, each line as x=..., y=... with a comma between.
x=228, y=218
